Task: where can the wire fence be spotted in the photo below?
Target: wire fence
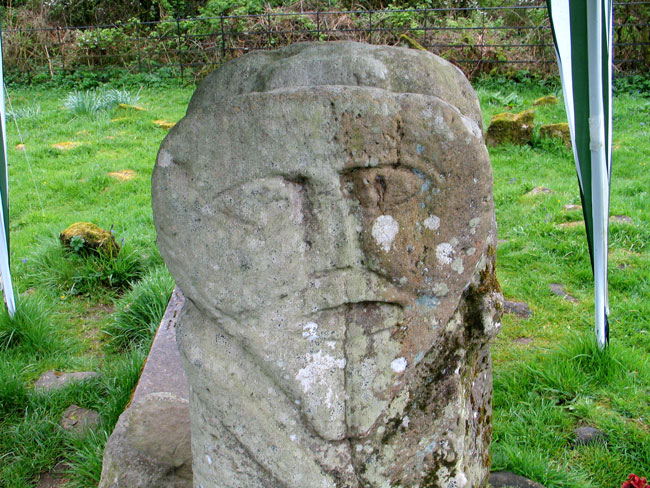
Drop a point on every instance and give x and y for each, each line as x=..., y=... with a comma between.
x=477, y=39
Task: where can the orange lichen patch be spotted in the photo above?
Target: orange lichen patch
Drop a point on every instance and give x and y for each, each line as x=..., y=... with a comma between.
x=20, y=147
x=119, y=119
x=136, y=108
x=123, y=174
x=66, y=145
x=163, y=124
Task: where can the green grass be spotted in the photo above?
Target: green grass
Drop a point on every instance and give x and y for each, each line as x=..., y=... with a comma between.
x=79, y=313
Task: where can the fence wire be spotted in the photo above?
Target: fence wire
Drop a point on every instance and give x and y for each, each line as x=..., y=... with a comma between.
x=477, y=39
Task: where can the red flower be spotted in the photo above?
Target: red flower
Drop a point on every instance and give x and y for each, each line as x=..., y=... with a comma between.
x=633, y=481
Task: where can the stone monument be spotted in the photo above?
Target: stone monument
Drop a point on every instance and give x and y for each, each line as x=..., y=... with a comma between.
x=327, y=211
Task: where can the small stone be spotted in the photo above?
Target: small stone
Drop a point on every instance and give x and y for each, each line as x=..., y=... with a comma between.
x=572, y=224
x=546, y=100
x=558, y=290
x=94, y=237
x=508, y=128
x=135, y=108
x=53, y=380
x=523, y=340
x=520, y=309
x=163, y=124
x=570, y=207
x=589, y=435
x=66, y=145
x=620, y=219
x=506, y=479
x=557, y=131
x=20, y=147
x=78, y=419
x=51, y=480
x=123, y=174
x=539, y=190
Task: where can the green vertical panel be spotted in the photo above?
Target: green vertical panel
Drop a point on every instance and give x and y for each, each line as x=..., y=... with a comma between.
x=3, y=158
x=580, y=77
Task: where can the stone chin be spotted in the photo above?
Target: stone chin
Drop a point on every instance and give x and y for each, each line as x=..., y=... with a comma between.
x=333, y=234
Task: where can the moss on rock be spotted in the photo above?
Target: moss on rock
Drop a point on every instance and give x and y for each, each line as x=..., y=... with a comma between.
x=557, y=131
x=546, y=100
x=509, y=128
x=94, y=238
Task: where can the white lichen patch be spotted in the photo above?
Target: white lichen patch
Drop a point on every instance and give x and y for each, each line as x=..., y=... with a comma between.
x=440, y=289
x=457, y=266
x=399, y=365
x=432, y=222
x=471, y=126
x=319, y=365
x=444, y=253
x=384, y=231
x=309, y=331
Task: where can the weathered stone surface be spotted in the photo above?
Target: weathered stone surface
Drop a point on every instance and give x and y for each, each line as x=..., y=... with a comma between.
x=327, y=211
x=52, y=380
x=508, y=128
x=150, y=446
x=78, y=419
x=557, y=131
x=135, y=457
x=506, y=479
x=520, y=309
x=94, y=237
x=55, y=478
x=587, y=435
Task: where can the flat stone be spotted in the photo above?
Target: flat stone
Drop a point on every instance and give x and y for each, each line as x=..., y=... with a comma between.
x=78, y=419
x=506, y=479
x=587, y=435
x=53, y=380
x=523, y=340
x=558, y=290
x=571, y=225
x=539, y=190
x=620, y=219
x=545, y=100
x=520, y=309
x=54, y=478
x=570, y=207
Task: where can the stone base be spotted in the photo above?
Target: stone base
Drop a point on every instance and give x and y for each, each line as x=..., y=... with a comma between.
x=150, y=446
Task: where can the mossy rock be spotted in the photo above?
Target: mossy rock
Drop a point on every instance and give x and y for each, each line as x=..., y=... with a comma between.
x=547, y=100
x=94, y=238
x=407, y=41
x=557, y=131
x=509, y=128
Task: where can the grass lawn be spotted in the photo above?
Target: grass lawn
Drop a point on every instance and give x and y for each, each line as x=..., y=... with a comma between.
x=78, y=313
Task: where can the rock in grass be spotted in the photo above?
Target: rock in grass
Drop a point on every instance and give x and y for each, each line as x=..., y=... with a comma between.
x=588, y=435
x=539, y=190
x=520, y=309
x=546, y=100
x=506, y=479
x=94, y=238
x=509, y=128
x=558, y=290
x=78, y=419
x=53, y=380
x=556, y=131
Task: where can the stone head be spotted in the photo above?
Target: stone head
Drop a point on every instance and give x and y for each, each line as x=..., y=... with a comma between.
x=327, y=219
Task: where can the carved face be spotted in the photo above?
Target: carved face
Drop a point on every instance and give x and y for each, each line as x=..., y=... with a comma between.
x=331, y=246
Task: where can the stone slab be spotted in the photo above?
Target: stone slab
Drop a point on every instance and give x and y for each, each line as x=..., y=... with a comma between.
x=78, y=419
x=163, y=371
x=53, y=380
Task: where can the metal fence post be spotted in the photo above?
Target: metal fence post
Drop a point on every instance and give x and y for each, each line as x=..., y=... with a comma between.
x=179, y=53
x=223, y=40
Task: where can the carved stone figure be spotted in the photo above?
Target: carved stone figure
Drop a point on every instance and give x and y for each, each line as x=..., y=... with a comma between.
x=327, y=211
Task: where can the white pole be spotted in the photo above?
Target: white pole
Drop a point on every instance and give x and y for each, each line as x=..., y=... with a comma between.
x=599, y=174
